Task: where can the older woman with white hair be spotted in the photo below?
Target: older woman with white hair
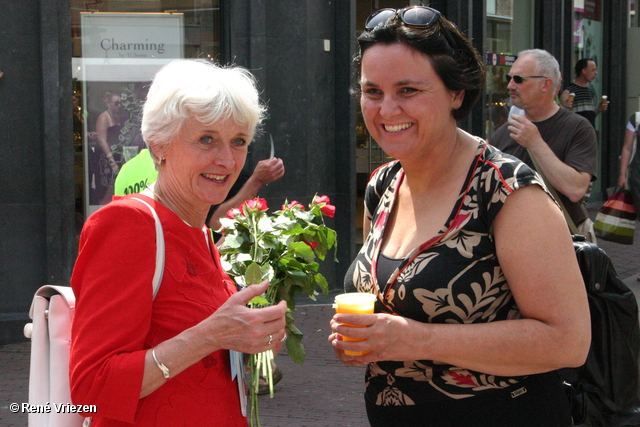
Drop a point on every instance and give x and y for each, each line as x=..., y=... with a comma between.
x=165, y=361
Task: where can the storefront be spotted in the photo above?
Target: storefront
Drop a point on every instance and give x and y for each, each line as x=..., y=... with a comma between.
x=117, y=49
x=300, y=51
x=508, y=27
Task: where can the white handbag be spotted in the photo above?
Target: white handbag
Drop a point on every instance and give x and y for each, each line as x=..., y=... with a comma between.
x=52, y=311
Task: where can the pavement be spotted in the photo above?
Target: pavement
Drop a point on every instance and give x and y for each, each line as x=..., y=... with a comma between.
x=322, y=392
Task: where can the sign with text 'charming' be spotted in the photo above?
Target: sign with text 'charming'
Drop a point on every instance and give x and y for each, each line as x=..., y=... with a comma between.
x=132, y=35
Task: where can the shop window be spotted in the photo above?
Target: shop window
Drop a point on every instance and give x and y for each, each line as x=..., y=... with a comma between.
x=509, y=31
x=118, y=46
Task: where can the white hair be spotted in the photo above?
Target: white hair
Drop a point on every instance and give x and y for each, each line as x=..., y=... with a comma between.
x=547, y=65
x=186, y=89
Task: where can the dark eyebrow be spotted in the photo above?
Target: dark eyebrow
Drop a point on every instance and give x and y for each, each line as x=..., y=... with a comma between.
x=408, y=82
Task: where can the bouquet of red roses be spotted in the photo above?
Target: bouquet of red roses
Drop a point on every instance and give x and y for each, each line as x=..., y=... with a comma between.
x=281, y=248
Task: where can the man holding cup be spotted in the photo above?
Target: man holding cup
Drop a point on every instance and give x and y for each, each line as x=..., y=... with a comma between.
x=584, y=100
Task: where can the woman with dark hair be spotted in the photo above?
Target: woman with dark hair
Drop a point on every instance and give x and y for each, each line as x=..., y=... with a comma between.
x=480, y=297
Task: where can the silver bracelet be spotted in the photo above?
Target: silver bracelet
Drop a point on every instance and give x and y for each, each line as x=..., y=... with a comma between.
x=162, y=366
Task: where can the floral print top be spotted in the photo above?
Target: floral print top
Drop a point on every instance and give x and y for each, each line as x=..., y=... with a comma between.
x=453, y=277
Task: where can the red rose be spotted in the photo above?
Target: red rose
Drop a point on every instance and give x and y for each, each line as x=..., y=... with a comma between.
x=328, y=209
x=231, y=213
x=321, y=199
x=313, y=245
x=256, y=204
x=294, y=205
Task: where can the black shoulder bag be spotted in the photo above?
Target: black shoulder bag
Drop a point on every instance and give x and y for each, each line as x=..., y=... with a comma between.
x=604, y=391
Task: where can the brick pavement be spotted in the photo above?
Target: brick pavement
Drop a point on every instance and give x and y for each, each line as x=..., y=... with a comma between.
x=320, y=393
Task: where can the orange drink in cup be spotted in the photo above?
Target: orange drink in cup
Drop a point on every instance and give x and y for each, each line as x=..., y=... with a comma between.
x=355, y=303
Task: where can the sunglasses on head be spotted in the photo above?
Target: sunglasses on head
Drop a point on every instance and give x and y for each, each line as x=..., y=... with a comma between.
x=519, y=79
x=412, y=16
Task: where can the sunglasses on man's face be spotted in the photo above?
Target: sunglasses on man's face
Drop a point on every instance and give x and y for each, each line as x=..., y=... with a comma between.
x=412, y=16
x=519, y=79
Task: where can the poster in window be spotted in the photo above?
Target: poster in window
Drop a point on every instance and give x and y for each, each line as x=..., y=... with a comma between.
x=121, y=52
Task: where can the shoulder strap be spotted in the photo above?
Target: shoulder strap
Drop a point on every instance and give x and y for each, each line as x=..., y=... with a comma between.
x=157, y=277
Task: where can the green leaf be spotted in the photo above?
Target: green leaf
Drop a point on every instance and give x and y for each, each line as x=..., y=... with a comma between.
x=265, y=224
x=293, y=229
x=253, y=275
x=292, y=330
x=269, y=243
x=267, y=272
x=289, y=263
x=243, y=257
x=259, y=301
x=233, y=241
x=228, y=224
x=321, y=281
x=303, y=250
x=295, y=348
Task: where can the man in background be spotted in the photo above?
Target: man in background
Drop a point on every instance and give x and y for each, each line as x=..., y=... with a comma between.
x=561, y=143
x=583, y=101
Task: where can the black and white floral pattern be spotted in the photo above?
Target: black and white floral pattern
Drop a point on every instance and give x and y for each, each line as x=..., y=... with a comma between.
x=452, y=278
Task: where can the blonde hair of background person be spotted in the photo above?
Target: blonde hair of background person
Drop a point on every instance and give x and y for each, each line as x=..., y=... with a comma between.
x=166, y=360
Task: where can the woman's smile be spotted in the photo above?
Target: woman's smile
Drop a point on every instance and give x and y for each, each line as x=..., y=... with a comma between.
x=216, y=178
x=397, y=128
x=405, y=104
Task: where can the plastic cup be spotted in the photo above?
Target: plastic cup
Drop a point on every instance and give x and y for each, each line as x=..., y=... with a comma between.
x=358, y=303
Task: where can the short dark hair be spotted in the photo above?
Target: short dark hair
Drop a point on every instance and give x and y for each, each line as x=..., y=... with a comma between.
x=460, y=67
x=581, y=65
